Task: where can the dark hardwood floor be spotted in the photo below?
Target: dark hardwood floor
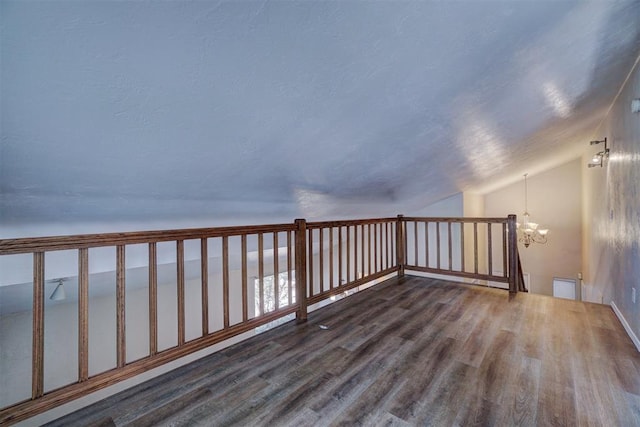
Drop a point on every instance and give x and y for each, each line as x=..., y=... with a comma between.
x=413, y=351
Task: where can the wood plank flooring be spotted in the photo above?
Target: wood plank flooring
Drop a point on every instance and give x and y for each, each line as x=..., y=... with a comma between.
x=409, y=351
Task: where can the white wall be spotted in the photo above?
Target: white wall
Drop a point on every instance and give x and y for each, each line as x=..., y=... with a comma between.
x=611, y=214
x=555, y=203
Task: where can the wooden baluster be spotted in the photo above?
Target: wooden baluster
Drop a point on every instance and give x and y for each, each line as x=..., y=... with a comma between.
x=386, y=245
x=513, y=254
x=381, y=245
x=461, y=246
x=355, y=253
x=402, y=236
x=392, y=244
x=369, y=248
x=321, y=260
x=490, y=250
x=289, y=278
x=426, y=244
x=153, y=298
x=121, y=342
x=357, y=269
x=379, y=258
x=225, y=280
x=340, y=273
x=245, y=293
x=301, y=270
x=348, y=254
x=276, y=273
x=415, y=242
x=504, y=249
x=37, y=349
x=180, y=290
x=401, y=245
x=204, y=285
x=362, y=252
x=261, y=273
x=83, y=314
x=450, y=246
x=331, y=258
x=475, y=247
x=376, y=265
x=438, y=244
x=310, y=261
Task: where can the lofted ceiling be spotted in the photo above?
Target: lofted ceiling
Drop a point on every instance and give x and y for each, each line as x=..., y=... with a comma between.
x=136, y=109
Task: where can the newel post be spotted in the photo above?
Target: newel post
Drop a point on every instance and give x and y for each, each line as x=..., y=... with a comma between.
x=301, y=270
x=400, y=245
x=513, y=254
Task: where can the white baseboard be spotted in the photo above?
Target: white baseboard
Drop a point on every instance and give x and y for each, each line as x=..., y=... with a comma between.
x=626, y=326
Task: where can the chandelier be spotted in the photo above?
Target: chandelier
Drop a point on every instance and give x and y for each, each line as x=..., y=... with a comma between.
x=528, y=232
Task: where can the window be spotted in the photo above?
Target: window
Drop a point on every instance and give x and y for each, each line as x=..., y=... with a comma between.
x=270, y=298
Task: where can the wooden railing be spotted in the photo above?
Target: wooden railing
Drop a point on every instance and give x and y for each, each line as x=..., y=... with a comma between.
x=322, y=259
x=349, y=254
x=444, y=246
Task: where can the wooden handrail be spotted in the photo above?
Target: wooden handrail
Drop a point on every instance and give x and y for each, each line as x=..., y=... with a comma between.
x=455, y=220
x=58, y=243
x=330, y=257
x=348, y=222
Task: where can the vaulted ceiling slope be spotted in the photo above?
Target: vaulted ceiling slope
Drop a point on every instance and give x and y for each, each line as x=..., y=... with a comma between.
x=142, y=108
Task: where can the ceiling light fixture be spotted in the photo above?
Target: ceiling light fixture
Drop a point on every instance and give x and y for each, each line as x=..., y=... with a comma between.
x=528, y=232
x=598, y=158
x=58, y=293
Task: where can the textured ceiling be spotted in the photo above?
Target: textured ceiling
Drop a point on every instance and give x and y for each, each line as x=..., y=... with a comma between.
x=180, y=108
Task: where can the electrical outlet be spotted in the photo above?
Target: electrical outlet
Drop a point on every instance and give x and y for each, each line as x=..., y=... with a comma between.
x=633, y=295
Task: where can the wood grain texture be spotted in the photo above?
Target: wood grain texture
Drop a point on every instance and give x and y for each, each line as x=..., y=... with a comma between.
x=310, y=263
x=58, y=243
x=244, y=281
x=225, y=280
x=204, y=285
x=331, y=267
x=429, y=352
x=260, y=273
x=37, y=335
x=475, y=247
x=513, y=255
x=153, y=298
x=301, y=269
x=401, y=244
x=180, y=296
x=276, y=272
x=489, y=250
x=83, y=314
x=320, y=259
x=121, y=338
x=289, y=268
